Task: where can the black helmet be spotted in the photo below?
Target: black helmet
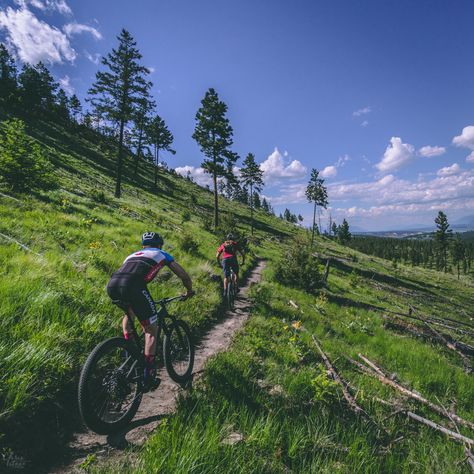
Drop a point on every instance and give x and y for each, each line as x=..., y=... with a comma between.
x=152, y=238
x=230, y=236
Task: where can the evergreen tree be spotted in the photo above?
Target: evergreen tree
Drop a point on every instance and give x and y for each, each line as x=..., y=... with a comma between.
x=117, y=92
x=251, y=176
x=62, y=105
x=443, y=235
x=23, y=163
x=230, y=186
x=343, y=232
x=141, y=121
x=161, y=138
x=458, y=253
x=213, y=134
x=334, y=229
x=37, y=88
x=257, y=204
x=300, y=218
x=265, y=207
x=316, y=193
x=8, y=73
x=75, y=107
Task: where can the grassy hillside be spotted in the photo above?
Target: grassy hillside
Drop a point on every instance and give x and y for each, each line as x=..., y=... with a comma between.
x=271, y=389
x=54, y=307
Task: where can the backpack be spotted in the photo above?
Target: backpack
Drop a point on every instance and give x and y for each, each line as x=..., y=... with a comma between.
x=229, y=247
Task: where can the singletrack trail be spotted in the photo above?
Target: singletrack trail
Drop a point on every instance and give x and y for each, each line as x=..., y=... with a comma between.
x=162, y=402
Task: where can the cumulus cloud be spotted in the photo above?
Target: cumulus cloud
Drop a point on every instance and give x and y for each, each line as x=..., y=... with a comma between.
x=197, y=173
x=466, y=139
x=470, y=157
x=276, y=167
x=65, y=83
x=329, y=172
x=74, y=28
x=449, y=170
x=396, y=155
x=429, y=151
x=58, y=5
x=365, y=123
x=33, y=40
x=363, y=111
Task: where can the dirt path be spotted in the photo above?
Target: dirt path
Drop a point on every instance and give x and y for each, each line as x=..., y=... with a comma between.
x=162, y=402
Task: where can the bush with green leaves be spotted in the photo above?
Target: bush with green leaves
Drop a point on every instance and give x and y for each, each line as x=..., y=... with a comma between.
x=297, y=267
x=23, y=162
x=188, y=243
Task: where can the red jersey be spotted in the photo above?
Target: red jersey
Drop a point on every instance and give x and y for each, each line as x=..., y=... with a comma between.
x=228, y=249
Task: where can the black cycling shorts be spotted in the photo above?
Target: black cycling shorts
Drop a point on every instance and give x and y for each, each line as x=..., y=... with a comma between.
x=135, y=297
x=228, y=264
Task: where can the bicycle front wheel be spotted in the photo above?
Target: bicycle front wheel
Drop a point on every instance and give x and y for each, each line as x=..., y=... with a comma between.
x=178, y=351
x=110, y=386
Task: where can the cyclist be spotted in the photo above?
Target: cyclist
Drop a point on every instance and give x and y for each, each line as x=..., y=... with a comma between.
x=228, y=250
x=128, y=290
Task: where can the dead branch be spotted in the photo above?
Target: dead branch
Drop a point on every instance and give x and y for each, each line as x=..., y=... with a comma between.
x=23, y=246
x=378, y=373
x=349, y=398
x=292, y=303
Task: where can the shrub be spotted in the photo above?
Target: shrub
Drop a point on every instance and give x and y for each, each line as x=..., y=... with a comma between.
x=188, y=243
x=297, y=267
x=23, y=164
x=98, y=196
x=185, y=216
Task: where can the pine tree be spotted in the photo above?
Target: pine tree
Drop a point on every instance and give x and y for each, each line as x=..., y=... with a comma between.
x=265, y=207
x=141, y=121
x=343, y=232
x=316, y=193
x=334, y=229
x=8, y=73
x=117, y=92
x=257, y=203
x=62, y=105
x=37, y=88
x=230, y=185
x=75, y=107
x=251, y=176
x=213, y=134
x=300, y=218
x=443, y=235
x=161, y=138
x=458, y=253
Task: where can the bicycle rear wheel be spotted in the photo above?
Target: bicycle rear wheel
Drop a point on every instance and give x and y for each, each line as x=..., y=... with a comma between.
x=178, y=351
x=110, y=386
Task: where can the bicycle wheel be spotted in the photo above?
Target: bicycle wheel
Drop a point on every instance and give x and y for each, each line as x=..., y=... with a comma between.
x=230, y=295
x=110, y=386
x=178, y=351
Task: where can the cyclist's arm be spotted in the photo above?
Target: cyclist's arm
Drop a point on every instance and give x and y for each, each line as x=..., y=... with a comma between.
x=218, y=254
x=179, y=271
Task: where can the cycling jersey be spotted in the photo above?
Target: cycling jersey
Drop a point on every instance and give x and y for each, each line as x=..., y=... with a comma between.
x=228, y=252
x=143, y=266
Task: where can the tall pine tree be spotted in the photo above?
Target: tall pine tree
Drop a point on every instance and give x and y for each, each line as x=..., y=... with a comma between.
x=161, y=138
x=117, y=91
x=8, y=73
x=213, y=134
x=251, y=176
x=443, y=236
x=316, y=193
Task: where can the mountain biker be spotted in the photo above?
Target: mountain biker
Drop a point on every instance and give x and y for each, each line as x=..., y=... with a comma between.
x=128, y=290
x=228, y=250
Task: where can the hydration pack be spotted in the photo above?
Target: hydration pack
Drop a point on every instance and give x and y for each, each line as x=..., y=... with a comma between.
x=229, y=247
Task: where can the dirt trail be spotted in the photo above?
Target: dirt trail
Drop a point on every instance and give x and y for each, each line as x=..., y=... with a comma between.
x=162, y=402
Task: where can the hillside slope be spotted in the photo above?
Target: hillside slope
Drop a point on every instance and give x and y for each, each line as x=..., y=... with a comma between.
x=271, y=387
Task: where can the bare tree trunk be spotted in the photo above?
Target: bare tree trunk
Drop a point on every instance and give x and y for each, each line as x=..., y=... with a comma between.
x=118, y=181
x=216, y=201
x=251, y=208
x=157, y=151
x=139, y=151
x=314, y=223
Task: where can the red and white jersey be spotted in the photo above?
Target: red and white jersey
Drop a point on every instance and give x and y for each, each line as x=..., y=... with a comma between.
x=143, y=265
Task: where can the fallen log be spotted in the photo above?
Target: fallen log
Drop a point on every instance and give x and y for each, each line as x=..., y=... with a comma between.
x=378, y=373
x=23, y=246
x=431, y=424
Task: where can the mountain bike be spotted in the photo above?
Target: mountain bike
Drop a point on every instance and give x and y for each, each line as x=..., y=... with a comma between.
x=112, y=382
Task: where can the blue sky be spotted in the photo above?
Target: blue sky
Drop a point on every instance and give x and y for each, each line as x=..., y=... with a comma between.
x=376, y=94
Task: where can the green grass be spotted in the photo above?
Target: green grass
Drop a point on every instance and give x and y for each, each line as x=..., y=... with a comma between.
x=271, y=386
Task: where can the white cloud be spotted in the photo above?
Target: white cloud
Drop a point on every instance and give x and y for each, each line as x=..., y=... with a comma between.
x=365, y=123
x=65, y=83
x=470, y=157
x=58, y=5
x=429, y=151
x=275, y=168
x=466, y=139
x=93, y=58
x=449, y=170
x=34, y=40
x=329, y=172
x=198, y=174
x=363, y=111
x=77, y=28
x=342, y=160
x=396, y=155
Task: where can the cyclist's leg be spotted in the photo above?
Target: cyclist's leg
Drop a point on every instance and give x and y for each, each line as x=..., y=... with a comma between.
x=117, y=293
x=235, y=267
x=226, y=268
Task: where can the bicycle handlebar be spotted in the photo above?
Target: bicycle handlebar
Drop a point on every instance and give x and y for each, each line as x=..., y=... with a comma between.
x=169, y=300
